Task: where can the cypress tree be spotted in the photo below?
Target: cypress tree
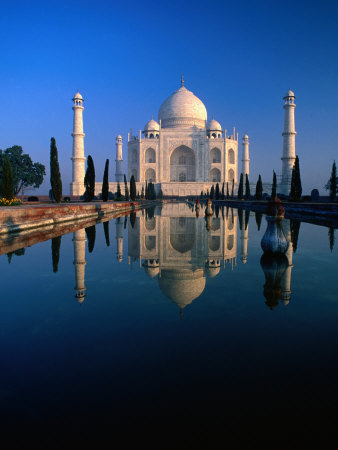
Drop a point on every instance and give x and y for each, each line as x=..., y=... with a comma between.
x=126, y=190
x=217, y=192
x=212, y=192
x=233, y=188
x=274, y=186
x=89, y=180
x=227, y=190
x=132, y=188
x=296, y=184
x=333, y=182
x=240, y=188
x=142, y=193
x=259, y=189
x=105, y=184
x=146, y=191
x=7, y=186
x=223, y=191
x=56, y=244
x=247, y=187
x=55, y=176
x=118, y=192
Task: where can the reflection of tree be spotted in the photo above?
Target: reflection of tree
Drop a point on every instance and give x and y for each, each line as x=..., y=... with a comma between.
x=240, y=218
x=216, y=210
x=91, y=234
x=19, y=252
x=294, y=229
x=132, y=218
x=222, y=210
x=56, y=244
x=125, y=222
x=331, y=237
x=150, y=212
x=106, y=232
x=258, y=216
x=247, y=217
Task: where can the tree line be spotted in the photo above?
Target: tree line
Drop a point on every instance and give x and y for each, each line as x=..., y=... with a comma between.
x=18, y=172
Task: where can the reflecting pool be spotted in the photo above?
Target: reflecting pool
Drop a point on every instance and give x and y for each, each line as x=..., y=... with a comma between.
x=168, y=329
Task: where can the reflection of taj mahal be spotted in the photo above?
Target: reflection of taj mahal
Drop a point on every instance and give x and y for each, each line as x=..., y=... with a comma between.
x=182, y=251
x=177, y=248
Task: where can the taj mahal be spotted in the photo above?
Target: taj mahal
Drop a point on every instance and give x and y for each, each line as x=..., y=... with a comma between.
x=182, y=154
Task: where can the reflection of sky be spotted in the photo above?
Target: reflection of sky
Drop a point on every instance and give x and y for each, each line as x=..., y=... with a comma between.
x=126, y=344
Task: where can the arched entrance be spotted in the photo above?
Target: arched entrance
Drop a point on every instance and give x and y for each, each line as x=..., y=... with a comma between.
x=183, y=164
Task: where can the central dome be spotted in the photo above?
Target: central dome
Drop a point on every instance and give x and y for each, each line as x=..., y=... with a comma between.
x=182, y=110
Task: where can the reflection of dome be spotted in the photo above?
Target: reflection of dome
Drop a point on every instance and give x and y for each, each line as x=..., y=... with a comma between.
x=213, y=125
x=182, y=109
x=152, y=125
x=152, y=271
x=182, y=286
x=212, y=267
x=151, y=267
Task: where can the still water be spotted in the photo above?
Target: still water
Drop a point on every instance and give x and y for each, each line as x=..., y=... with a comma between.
x=177, y=331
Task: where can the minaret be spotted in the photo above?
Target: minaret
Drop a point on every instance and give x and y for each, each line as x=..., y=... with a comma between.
x=289, y=141
x=78, y=158
x=119, y=239
x=245, y=156
x=286, y=279
x=79, y=240
x=119, y=160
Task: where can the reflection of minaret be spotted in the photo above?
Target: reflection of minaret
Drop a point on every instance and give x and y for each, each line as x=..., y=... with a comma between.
x=244, y=241
x=79, y=240
x=119, y=239
x=286, y=280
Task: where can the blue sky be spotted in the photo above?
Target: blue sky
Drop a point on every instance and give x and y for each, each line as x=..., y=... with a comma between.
x=239, y=58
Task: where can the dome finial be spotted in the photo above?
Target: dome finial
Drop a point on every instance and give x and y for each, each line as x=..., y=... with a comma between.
x=182, y=80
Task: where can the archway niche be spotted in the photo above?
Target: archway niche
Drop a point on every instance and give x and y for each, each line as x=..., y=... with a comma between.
x=231, y=175
x=215, y=175
x=231, y=156
x=150, y=175
x=230, y=243
x=182, y=164
x=150, y=155
x=215, y=155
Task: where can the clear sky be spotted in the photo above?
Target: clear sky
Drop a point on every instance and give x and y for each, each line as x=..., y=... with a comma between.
x=126, y=58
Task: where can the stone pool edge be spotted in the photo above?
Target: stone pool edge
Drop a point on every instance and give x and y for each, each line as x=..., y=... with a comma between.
x=26, y=217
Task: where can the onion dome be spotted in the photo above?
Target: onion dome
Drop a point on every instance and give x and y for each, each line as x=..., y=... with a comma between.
x=213, y=125
x=182, y=110
x=245, y=136
x=78, y=96
x=289, y=94
x=152, y=125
